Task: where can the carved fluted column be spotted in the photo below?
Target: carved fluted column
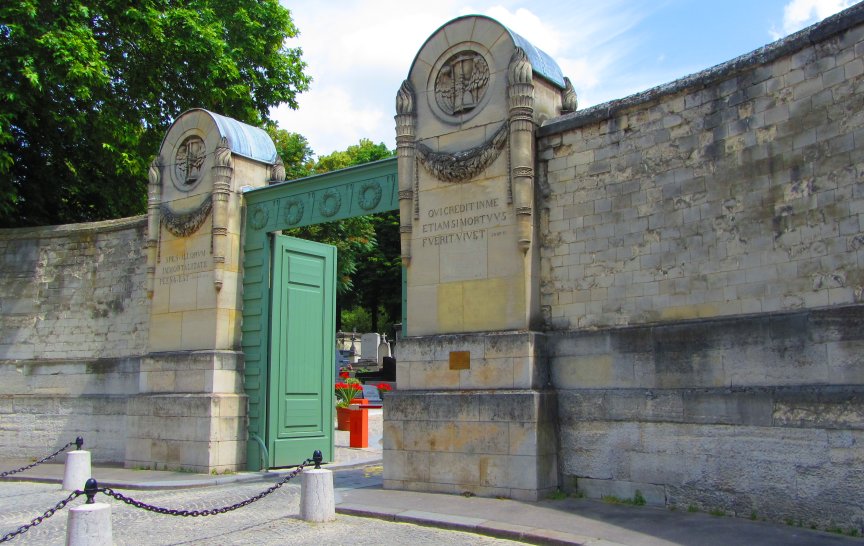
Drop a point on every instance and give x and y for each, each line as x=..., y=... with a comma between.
x=154, y=198
x=405, y=150
x=521, y=94
x=223, y=170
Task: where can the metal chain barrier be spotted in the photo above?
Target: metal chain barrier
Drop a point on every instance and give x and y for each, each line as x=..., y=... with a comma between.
x=91, y=488
x=196, y=513
x=76, y=442
x=37, y=520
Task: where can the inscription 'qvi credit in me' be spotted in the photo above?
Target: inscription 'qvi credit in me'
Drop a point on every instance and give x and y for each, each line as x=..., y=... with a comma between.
x=443, y=231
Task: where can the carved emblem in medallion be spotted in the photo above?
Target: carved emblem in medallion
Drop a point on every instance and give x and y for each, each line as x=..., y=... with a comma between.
x=461, y=83
x=188, y=162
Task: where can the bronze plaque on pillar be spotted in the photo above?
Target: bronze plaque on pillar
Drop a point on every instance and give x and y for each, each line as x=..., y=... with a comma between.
x=460, y=360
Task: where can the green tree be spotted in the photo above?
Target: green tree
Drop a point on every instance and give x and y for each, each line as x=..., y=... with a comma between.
x=363, y=152
x=89, y=87
x=362, y=261
x=294, y=150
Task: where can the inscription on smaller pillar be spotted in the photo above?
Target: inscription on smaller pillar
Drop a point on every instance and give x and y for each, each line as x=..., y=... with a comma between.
x=177, y=268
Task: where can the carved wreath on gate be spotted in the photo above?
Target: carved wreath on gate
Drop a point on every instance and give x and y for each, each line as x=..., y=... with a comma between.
x=370, y=195
x=330, y=203
x=465, y=165
x=293, y=211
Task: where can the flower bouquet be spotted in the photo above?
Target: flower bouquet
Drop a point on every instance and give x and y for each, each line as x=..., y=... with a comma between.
x=346, y=391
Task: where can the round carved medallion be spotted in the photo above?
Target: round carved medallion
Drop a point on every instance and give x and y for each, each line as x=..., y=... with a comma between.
x=258, y=217
x=189, y=162
x=370, y=195
x=293, y=211
x=461, y=82
x=330, y=203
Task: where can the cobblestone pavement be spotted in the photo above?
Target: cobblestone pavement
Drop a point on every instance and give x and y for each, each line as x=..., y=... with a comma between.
x=272, y=520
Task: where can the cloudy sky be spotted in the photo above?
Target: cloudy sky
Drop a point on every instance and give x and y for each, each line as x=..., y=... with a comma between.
x=359, y=51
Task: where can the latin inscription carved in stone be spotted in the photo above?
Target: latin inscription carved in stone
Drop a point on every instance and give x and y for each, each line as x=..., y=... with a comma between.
x=463, y=222
x=176, y=269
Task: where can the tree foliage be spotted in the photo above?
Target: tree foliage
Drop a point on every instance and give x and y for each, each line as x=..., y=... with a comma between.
x=89, y=87
x=295, y=152
x=369, y=270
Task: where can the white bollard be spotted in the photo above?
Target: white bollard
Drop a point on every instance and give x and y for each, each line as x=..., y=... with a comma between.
x=317, y=500
x=89, y=525
x=77, y=470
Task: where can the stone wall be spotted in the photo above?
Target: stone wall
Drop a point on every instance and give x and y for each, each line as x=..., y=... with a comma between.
x=701, y=259
x=73, y=325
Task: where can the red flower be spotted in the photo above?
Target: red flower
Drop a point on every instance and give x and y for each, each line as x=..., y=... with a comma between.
x=384, y=387
x=345, y=392
x=344, y=375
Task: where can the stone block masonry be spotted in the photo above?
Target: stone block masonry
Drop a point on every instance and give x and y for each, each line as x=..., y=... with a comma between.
x=702, y=281
x=73, y=325
x=732, y=192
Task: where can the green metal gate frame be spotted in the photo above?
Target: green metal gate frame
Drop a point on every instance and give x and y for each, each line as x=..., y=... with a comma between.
x=356, y=191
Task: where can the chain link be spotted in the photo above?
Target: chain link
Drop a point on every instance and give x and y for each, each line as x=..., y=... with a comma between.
x=37, y=520
x=138, y=504
x=208, y=512
x=40, y=461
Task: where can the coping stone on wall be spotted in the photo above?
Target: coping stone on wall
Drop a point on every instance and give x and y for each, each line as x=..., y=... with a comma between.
x=65, y=230
x=811, y=35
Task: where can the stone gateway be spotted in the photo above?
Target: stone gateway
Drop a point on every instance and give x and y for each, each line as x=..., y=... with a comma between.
x=659, y=296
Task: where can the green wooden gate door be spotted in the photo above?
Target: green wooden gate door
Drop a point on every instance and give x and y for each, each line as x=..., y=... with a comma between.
x=302, y=346
x=283, y=413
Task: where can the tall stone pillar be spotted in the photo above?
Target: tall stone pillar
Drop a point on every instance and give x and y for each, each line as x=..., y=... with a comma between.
x=472, y=412
x=190, y=412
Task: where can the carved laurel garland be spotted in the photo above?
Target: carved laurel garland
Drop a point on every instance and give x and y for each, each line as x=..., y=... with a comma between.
x=186, y=223
x=465, y=165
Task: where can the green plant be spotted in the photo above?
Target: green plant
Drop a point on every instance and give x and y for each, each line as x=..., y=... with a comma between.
x=753, y=515
x=557, y=495
x=692, y=508
x=637, y=500
x=346, y=390
x=717, y=512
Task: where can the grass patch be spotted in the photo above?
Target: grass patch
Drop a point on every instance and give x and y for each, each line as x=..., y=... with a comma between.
x=719, y=512
x=692, y=508
x=637, y=500
x=557, y=495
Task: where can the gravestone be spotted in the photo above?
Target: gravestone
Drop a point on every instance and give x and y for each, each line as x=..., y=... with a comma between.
x=369, y=347
x=370, y=393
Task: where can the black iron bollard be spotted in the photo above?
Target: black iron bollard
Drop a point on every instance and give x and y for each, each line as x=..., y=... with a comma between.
x=79, y=441
x=317, y=457
x=90, y=489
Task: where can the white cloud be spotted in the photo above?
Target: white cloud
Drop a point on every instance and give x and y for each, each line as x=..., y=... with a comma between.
x=798, y=14
x=359, y=51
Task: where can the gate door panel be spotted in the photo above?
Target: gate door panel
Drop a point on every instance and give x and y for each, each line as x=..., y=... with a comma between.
x=302, y=345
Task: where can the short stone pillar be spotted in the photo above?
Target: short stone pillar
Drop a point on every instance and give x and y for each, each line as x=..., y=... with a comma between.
x=89, y=525
x=317, y=500
x=77, y=470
